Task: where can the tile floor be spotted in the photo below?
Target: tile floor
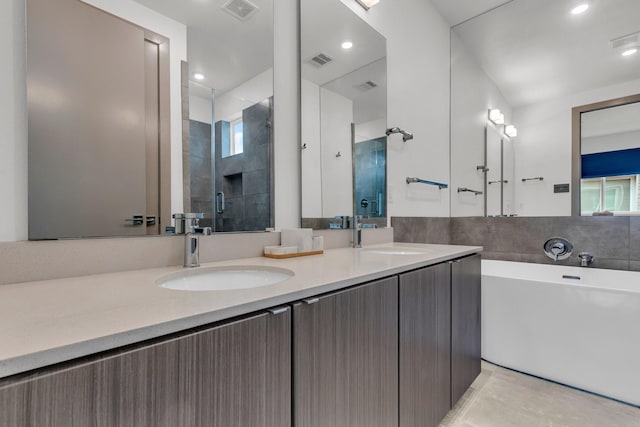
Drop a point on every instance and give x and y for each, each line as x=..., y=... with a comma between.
x=503, y=398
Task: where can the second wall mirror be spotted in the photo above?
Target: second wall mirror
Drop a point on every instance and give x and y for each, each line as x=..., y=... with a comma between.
x=344, y=110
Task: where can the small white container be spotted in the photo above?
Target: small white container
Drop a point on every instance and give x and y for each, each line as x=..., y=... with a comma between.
x=317, y=243
x=298, y=237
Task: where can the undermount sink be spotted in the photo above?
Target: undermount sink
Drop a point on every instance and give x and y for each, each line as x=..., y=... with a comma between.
x=393, y=251
x=224, y=278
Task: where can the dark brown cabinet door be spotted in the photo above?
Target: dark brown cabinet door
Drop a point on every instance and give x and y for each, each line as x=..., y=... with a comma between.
x=346, y=358
x=465, y=324
x=425, y=348
x=233, y=375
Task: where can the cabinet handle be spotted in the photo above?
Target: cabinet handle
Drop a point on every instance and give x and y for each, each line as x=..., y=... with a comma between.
x=279, y=310
x=310, y=301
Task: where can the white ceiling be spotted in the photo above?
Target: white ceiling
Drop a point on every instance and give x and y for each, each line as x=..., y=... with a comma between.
x=457, y=11
x=535, y=50
x=226, y=50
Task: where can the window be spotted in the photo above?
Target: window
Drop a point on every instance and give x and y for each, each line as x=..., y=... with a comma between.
x=613, y=194
x=236, y=139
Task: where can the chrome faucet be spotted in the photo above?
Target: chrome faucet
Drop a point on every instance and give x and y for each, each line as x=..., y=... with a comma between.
x=557, y=249
x=586, y=259
x=188, y=224
x=357, y=231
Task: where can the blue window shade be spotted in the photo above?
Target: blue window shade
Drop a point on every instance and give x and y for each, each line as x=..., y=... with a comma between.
x=611, y=163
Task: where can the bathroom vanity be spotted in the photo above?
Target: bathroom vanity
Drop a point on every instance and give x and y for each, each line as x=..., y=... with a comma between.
x=379, y=336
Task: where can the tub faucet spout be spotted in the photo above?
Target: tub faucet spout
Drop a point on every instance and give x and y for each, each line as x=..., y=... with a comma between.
x=586, y=259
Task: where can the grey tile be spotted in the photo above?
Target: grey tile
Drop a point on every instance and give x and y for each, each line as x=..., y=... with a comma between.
x=256, y=125
x=522, y=235
x=634, y=238
x=311, y=223
x=604, y=237
x=200, y=167
x=231, y=185
x=257, y=158
x=256, y=223
x=257, y=205
x=230, y=165
x=201, y=188
x=199, y=139
x=234, y=208
x=634, y=265
x=255, y=182
x=471, y=231
x=421, y=230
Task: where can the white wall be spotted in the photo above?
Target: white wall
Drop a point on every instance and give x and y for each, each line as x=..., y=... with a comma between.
x=473, y=93
x=370, y=130
x=13, y=123
x=311, y=155
x=336, y=116
x=286, y=95
x=200, y=109
x=543, y=148
x=418, y=102
x=611, y=142
x=229, y=105
x=327, y=180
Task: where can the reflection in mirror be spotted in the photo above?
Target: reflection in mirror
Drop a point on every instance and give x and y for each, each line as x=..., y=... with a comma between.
x=535, y=61
x=139, y=109
x=343, y=110
x=610, y=160
x=499, y=174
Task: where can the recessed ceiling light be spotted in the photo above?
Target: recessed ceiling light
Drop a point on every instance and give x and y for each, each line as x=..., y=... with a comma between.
x=629, y=52
x=581, y=8
x=198, y=76
x=347, y=45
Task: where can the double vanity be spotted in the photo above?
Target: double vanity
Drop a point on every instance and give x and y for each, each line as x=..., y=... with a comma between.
x=386, y=335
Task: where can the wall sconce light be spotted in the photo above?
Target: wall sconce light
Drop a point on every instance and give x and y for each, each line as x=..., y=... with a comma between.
x=511, y=131
x=368, y=4
x=496, y=117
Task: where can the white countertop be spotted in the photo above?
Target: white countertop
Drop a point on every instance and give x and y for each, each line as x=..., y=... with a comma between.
x=51, y=321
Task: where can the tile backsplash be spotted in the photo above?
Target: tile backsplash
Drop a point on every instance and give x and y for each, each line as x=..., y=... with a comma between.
x=614, y=241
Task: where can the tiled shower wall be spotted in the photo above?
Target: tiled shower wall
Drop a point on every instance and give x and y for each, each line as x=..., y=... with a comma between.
x=614, y=241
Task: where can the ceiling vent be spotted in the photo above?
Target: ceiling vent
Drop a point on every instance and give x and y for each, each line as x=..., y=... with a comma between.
x=240, y=9
x=368, y=85
x=630, y=40
x=321, y=59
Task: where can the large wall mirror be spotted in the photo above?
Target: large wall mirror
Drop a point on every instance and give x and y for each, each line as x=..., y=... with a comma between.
x=535, y=61
x=344, y=110
x=143, y=108
x=607, y=157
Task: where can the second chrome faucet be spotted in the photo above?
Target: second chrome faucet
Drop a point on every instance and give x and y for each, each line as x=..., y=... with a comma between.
x=188, y=224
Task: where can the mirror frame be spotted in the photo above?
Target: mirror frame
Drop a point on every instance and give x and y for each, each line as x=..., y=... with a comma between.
x=576, y=135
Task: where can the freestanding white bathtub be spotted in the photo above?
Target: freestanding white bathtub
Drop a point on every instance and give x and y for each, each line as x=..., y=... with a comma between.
x=582, y=329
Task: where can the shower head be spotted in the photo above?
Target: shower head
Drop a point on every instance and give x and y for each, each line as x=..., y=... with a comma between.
x=406, y=136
